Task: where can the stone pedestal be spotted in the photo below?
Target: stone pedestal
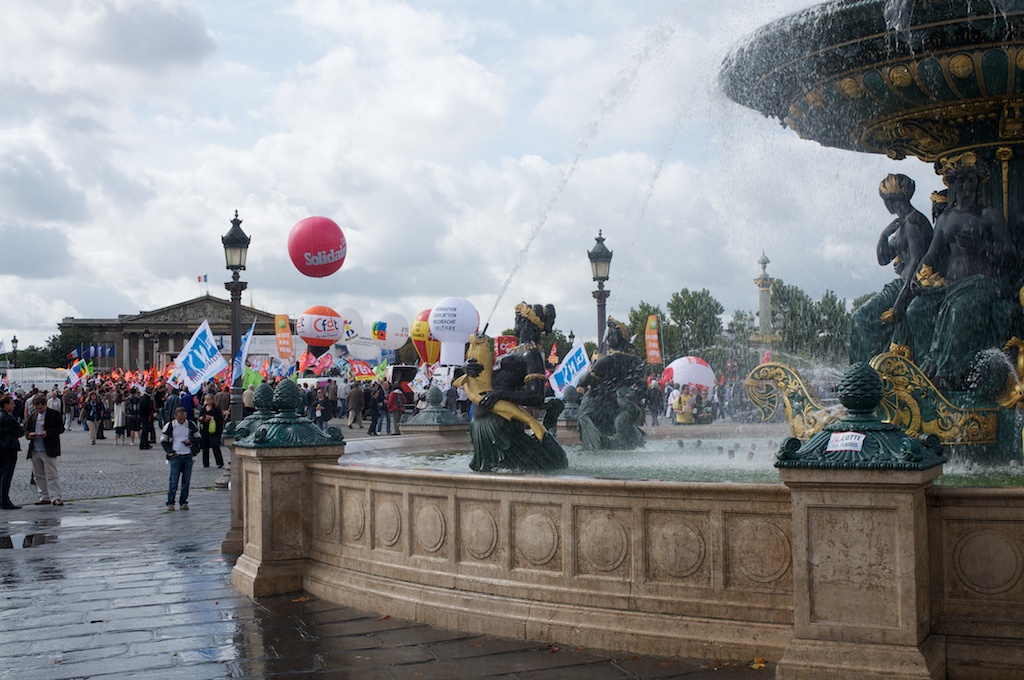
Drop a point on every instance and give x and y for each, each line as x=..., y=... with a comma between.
x=276, y=515
x=860, y=576
x=232, y=543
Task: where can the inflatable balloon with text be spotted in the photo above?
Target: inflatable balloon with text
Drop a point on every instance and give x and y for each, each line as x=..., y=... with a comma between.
x=317, y=246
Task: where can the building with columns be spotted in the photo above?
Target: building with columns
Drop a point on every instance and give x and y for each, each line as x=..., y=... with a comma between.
x=154, y=338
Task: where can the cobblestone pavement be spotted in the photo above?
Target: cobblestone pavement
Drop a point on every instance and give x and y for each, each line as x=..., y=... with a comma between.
x=112, y=585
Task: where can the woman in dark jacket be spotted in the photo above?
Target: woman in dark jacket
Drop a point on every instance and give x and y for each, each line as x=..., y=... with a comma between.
x=10, y=432
x=377, y=406
x=93, y=413
x=211, y=423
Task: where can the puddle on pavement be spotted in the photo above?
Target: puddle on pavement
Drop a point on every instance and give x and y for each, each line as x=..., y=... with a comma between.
x=31, y=539
x=26, y=540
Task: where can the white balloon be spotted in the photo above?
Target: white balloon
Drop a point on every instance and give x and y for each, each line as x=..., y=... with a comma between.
x=389, y=330
x=352, y=324
x=364, y=349
x=691, y=371
x=452, y=321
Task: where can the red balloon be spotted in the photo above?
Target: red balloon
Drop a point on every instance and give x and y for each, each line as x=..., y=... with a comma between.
x=317, y=246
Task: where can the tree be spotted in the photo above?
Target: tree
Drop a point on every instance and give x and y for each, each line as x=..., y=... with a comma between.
x=796, y=318
x=814, y=330
x=58, y=347
x=697, y=317
x=638, y=326
x=833, y=342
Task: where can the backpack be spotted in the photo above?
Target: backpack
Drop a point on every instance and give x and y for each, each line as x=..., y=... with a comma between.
x=132, y=408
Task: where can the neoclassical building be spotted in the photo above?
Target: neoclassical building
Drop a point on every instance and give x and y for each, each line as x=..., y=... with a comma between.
x=156, y=337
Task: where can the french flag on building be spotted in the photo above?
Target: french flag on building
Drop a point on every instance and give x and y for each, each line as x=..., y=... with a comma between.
x=201, y=278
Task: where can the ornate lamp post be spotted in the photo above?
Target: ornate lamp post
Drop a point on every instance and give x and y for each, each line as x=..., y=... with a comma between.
x=236, y=248
x=600, y=264
x=14, y=352
x=572, y=339
x=147, y=335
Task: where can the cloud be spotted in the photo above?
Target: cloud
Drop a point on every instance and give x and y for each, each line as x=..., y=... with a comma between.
x=440, y=136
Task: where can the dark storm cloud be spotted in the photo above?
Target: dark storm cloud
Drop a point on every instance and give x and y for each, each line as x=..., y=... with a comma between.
x=32, y=188
x=150, y=36
x=35, y=252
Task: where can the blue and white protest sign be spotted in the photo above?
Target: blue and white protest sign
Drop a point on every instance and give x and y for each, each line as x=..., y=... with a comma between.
x=574, y=366
x=200, y=359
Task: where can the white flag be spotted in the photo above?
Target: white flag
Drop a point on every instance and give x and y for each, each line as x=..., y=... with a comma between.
x=3, y=347
x=574, y=366
x=238, y=367
x=200, y=359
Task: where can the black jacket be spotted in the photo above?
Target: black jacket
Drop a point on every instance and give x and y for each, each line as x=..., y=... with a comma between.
x=53, y=425
x=10, y=432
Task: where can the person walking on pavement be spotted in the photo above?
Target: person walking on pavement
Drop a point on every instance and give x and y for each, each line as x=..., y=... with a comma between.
x=377, y=404
x=10, y=432
x=146, y=416
x=355, y=406
x=211, y=422
x=396, y=407
x=43, y=429
x=180, y=433
x=332, y=399
x=92, y=414
x=321, y=410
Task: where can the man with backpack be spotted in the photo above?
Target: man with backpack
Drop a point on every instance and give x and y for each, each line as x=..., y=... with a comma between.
x=396, y=406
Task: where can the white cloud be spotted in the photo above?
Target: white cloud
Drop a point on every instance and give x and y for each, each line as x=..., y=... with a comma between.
x=436, y=134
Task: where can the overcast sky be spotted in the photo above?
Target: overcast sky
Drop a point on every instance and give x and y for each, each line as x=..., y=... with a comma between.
x=439, y=135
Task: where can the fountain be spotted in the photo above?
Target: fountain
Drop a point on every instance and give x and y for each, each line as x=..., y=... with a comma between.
x=942, y=81
x=842, y=571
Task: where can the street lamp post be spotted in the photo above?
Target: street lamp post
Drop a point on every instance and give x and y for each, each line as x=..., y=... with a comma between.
x=236, y=248
x=147, y=335
x=14, y=352
x=600, y=264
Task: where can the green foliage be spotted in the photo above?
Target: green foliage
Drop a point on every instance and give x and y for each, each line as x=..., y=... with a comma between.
x=816, y=330
x=695, y=314
x=59, y=346
x=859, y=300
x=32, y=357
x=637, y=323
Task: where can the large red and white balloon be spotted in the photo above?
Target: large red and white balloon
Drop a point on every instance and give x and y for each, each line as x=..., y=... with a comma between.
x=692, y=371
x=319, y=326
x=316, y=246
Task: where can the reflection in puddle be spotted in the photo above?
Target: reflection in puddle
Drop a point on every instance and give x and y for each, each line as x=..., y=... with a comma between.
x=26, y=540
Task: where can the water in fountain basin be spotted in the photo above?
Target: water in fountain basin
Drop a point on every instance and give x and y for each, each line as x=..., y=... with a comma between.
x=737, y=460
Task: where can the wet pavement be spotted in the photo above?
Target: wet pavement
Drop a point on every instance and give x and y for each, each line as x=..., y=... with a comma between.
x=113, y=585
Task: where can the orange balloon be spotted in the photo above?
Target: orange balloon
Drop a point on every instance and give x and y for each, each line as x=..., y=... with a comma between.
x=427, y=346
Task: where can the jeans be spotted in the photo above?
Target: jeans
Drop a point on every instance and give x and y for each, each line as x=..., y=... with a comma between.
x=181, y=466
x=384, y=415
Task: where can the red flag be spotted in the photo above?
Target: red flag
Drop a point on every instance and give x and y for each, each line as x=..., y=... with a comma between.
x=553, y=357
x=361, y=370
x=503, y=344
x=325, y=361
x=305, y=360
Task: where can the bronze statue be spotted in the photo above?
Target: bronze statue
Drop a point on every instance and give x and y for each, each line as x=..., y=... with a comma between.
x=903, y=242
x=498, y=428
x=959, y=302
x=610, y=411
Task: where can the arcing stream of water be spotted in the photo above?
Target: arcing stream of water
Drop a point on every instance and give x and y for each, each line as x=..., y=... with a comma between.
x=620, y=90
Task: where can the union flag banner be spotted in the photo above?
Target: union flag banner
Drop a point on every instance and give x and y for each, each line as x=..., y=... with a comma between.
x=503, y=344
x=553, y=357
x=283, y=331
x=361, y=370
x=651, y=340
